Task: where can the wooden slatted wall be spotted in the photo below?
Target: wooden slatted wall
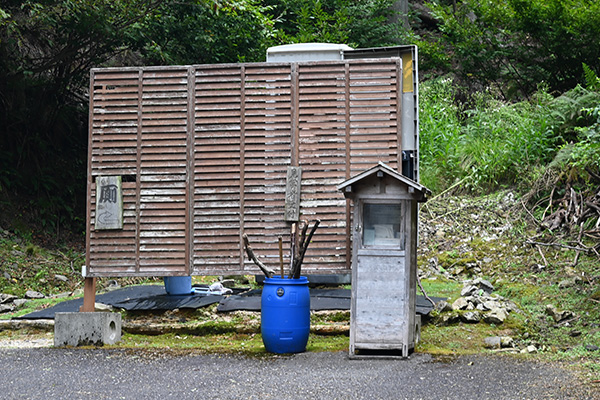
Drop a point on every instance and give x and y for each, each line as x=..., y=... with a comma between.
x=162, y=172
x=113, y=151
x=204, y=150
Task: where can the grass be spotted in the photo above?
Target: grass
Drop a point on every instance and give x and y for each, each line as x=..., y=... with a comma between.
x=487, y=144
x=226, y=343
x=33, y=305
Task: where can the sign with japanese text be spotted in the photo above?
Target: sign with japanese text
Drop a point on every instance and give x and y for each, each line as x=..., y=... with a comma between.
x=109, y=203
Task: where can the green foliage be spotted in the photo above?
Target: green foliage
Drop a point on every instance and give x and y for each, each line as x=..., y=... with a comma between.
x=26, y=266
x=363, y=23
x=592, y=80
x=204, y=32
x=495, y=143
x=440, y=132
x=586, y=153
x=514, y=45
x=501, y=141
x=46, y=51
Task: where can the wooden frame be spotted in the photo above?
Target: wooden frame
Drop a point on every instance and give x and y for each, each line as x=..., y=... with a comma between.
x=203, y=153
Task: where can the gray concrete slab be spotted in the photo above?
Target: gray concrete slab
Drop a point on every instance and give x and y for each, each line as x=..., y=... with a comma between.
x=86, y=328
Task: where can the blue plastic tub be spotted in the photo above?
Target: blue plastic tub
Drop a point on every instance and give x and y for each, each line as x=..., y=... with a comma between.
x=285, y=315
x=178, y=285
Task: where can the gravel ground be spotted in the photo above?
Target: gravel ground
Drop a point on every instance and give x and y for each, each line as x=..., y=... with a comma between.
x=26, y=343
x=49, y=373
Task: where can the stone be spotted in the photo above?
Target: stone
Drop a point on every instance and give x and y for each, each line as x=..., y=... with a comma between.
x=476, y=300
x=471, y=317
x=506, y=342
x=443, y=306
x=469, y=290
x=7, y=298
x=101, y=307
x=497, y=342
x=20, y=302
x=31, y=294
x=7, y=276
x=558, y=315
x=490, y=305
x=592, y=347
x=492, y=342
x=460, y=304
x=565, y=284
x=512, y=307
x=471, y=265
x=61, y=278
x=448, y=319
x=484, y=285
x=531, y=349
x=6, y=308
x=61, y=295
x=496, y=316
x=228, y=283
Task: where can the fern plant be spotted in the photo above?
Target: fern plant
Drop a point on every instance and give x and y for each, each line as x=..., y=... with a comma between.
x=592, y=80
x=586, y=153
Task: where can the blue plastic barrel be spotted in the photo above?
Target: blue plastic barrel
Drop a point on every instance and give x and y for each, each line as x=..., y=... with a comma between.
x=285, y=315
x=178, y=285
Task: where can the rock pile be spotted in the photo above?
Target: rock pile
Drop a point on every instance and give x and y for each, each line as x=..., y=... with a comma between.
x=9, y=302
x=476, y=304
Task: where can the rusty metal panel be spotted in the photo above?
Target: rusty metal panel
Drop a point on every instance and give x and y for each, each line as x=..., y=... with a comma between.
x=203, y=152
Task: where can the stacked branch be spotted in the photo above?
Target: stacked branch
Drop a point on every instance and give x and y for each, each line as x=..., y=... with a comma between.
x=299, y=242
x=574, y=213
x=574, y=216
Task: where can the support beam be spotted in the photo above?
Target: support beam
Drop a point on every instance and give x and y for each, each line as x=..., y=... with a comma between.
x=89, y=295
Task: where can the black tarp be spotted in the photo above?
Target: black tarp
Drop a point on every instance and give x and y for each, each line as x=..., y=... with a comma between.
x=320, y=299
x=155, y=298
x=133, y=298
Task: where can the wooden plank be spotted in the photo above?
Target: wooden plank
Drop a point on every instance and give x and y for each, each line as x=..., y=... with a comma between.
x=325, y=116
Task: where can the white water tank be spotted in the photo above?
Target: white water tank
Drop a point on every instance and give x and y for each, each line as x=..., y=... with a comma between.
x=307, y=52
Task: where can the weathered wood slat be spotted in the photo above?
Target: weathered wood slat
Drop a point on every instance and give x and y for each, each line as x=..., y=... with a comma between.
x=247, y=115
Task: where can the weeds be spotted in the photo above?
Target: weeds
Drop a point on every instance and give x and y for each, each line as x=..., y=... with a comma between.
x=492, y=143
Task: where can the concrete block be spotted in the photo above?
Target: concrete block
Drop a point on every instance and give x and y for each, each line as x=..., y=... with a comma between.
x=86, y=328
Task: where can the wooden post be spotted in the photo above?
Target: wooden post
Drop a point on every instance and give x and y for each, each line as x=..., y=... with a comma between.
x=89, y=295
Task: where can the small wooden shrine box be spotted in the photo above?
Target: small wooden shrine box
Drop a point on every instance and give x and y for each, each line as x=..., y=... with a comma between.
x=384, y=262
